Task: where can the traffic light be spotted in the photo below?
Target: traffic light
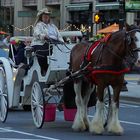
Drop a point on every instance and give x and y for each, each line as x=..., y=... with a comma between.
x=98, y=17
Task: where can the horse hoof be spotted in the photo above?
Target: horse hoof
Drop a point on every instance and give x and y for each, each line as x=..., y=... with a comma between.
x=96, y=130
x=118, y=131
x=80, y=128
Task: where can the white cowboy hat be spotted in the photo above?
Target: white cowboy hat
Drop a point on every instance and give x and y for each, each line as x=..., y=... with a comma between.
x=44, y=10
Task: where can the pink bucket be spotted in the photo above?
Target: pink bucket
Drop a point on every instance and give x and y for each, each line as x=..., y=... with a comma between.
x=50, y=112
x=69, y=114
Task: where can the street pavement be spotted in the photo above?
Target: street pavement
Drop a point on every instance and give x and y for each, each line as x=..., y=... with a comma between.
x=133, y=93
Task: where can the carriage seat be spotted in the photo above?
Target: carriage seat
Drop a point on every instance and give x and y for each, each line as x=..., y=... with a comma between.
x=45, y=52
x=17, y=59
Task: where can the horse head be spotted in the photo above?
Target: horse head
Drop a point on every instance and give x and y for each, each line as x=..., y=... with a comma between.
x=122, y=46
x=134, y=32
x=132, y=44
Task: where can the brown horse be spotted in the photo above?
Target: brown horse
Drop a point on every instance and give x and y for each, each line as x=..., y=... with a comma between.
x=105, y=66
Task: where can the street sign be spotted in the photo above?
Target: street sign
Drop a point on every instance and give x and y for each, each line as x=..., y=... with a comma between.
x=27, y=13
x=132, y=5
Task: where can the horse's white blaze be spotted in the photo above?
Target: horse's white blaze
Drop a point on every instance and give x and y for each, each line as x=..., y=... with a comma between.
x=97, y=124
x=114, y=125
x=138, y=46
x=138, y=39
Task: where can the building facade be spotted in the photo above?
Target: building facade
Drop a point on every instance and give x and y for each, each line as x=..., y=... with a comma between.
x=19, y=15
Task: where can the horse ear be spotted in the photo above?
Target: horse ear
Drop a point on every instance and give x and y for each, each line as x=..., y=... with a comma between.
x=127, y=27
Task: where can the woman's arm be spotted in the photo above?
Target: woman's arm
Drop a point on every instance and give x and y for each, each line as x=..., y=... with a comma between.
x=39, y=33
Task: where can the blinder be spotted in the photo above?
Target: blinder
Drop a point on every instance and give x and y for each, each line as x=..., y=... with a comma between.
x=129, y=40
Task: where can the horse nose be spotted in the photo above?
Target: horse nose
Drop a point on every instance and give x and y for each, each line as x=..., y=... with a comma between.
x=139, y=61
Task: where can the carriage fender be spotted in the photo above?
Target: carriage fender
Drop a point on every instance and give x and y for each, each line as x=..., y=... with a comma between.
x=17, y=86
x=9, y=78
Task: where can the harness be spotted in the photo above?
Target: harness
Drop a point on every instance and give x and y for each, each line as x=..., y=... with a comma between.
x=105, y=69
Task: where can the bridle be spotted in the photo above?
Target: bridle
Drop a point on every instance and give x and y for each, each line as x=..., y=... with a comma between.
x=129, y=40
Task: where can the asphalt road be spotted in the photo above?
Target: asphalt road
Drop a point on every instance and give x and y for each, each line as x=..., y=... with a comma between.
x=133, y=94
x=20, y=126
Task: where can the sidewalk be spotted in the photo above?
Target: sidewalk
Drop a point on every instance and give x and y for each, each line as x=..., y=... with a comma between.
x=133, y=93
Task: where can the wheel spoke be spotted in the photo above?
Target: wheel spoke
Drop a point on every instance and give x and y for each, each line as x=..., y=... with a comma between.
x=33, y=103
x=39, y=115
x=34, y=98
x=37, y=102
x=3, y=96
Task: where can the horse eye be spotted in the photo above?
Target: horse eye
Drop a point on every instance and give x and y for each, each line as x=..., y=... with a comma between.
x=135, y=39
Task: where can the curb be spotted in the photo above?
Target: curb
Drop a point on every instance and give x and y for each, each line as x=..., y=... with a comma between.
x=128, y=99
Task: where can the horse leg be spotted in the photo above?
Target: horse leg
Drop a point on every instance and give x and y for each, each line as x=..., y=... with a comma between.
x=114, y=125
x=79, y=121
x=78, y=124
x=90, y=88
x=97, y=124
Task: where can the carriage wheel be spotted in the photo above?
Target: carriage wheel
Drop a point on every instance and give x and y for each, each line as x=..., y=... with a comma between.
x=3, y=96
x=37, y=105
x=107, y=102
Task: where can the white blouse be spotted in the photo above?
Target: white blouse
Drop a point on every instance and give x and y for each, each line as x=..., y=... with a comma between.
x=41, y=30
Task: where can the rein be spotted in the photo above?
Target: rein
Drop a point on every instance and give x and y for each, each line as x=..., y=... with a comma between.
x=63, y=51
x=56, y=42
x=133, y=30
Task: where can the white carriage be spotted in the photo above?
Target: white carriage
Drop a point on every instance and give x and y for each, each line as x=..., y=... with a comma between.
x=21, y=87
